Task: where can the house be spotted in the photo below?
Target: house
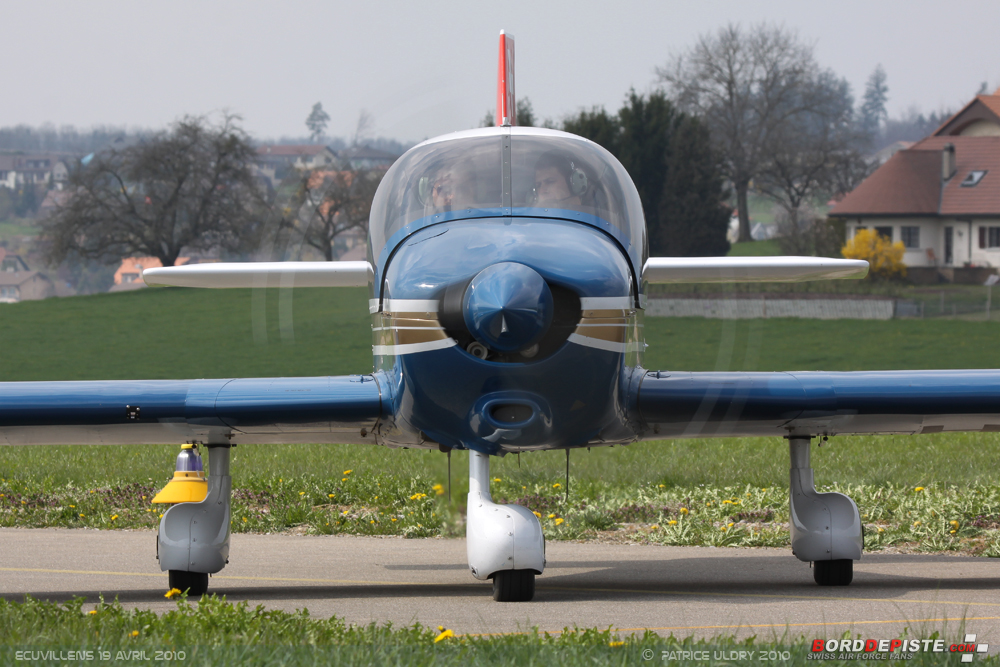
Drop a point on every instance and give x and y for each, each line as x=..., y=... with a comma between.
x=940, y=197
x=9, y=262
x=24, y=286
x=34, y=169
x=276, y=161
x=366, y=157
x=129, y=273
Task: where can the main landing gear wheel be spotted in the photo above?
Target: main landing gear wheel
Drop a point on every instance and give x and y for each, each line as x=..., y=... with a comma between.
x=195, y=583
x=833, y=572
x=514, y=586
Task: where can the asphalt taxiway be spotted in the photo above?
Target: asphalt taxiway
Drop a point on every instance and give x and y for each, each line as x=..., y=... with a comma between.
x=672, y=590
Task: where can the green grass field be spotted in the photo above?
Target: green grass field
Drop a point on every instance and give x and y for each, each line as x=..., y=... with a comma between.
x=708, y=492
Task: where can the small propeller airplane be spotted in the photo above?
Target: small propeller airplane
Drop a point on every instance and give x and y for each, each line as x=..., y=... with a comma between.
x=507, y=271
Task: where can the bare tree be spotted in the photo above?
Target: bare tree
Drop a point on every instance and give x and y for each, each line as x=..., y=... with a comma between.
x=330, y=203
x=366, y=123
x=188, y=188
x=316, y=122
x=746, y=85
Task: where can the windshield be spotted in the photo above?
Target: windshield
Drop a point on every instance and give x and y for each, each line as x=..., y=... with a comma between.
x=552, y=174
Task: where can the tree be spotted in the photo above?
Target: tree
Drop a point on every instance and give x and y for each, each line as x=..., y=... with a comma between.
x=525, y=115
x=189, y=188
x=885, y=259
x=316, y=122
x=873, y=113
x=330, y=203
x=668, y=155
x=745, y=85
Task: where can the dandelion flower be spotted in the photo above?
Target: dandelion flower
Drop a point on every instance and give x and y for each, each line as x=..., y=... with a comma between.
x=954, y=523
x=73, y=506
x=302, y=493
x=172, y=593
x=556, y=485
x=722, y=528
x=730, y=524
x=727, y=502
x=552, y=516
x=653, y=527
x=438, y=489
x=538, y=514
x=92, y=612
x=444, y=635
x=881, y=530
x=344, y=512
x=672, y=522
x=919, y=488
x=393, y=518
x=135, y=633
x=559, y=522
x=663, y=486
x=348, y=472
x=616, y=644
x=683, y=510
x=953, y=532
x=244, y=519
x=114, y=517
x=330, y=495
x=81, y=516
x=343, y=479
x=496, y=479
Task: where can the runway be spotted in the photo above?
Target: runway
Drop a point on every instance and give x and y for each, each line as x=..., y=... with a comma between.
x=672, y=590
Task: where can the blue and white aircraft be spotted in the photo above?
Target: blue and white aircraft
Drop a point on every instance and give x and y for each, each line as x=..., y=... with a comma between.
x=508, y=268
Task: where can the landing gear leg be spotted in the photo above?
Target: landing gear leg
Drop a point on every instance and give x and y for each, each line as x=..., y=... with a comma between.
x=505, y=542
x=826, y=527
x=193, y=540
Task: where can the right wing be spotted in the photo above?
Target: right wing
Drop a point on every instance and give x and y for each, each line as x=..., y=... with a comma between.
x=262, y=274
x=342, y=409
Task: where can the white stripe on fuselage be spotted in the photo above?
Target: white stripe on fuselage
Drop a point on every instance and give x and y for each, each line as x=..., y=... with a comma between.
x=411, y=348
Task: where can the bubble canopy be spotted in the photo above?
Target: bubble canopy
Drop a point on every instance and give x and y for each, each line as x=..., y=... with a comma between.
x=462, y=175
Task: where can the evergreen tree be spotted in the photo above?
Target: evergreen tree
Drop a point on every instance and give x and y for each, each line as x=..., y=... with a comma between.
x=873, y=113
x=316, y=122
x=692, y=219
x=668, y=155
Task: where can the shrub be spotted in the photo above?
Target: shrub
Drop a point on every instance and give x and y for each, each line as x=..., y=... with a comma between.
x=885, y=258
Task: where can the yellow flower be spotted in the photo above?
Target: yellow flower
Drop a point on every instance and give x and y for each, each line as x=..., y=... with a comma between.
x=653, y=527
x=438, y=489
x=372, y=521
x=344, y=512
x=330, y=495
x=708, y=504
x=172, y=593
x=919, y=488
x=280, y=480
x=683, y=510
x=730, y=524
x=953, y=532
x=672, y=522
x=135, y=633
x=616, y=644
x=114, y=517
x=881, y=530
x=538, y=514
x=81, y=516
x=496, y=479
x=559, y=521
x=302, y=493
x=92, y=612
x=149, y=510
x=444, y=635
x=727, y=502
x=244, y=519
x=556, y=485
x=722, y=528
x=376, y=497
x=343, y=479
x=348, y=472
x=916, y=523
x=552, y=516
x=954, y=523
x=418, y=496
x=72, y=505
x=393, y=518
x=662, y=486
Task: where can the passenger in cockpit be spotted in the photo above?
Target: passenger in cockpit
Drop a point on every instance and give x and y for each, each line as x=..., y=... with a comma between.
x=453, y=188
x=559, y=182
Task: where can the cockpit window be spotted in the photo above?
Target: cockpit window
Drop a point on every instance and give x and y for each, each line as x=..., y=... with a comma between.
x=442, y=178
x=553, y=174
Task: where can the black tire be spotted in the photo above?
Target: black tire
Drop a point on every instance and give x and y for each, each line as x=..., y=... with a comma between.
x=514, y=585
x=833, y=572
x=195, y=583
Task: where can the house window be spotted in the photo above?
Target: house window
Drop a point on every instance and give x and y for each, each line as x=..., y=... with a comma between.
x=911, y=236
x=989, y=237
x=884, y=231
x=972, y=180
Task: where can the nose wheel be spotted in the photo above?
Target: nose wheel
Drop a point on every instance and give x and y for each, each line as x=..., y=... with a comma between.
x=195, y=583
x=834, y=572
x=514, y=586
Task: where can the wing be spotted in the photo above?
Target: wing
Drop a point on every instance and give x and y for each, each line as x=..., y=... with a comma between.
x=750, y=269
x=262, y=274
x=266, y=410
x=678, y=405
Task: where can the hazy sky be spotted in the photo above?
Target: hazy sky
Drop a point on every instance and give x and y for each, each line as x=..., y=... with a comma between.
x=425, y=68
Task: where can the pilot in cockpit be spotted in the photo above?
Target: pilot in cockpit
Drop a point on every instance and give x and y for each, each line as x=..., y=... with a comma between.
x=559, y=182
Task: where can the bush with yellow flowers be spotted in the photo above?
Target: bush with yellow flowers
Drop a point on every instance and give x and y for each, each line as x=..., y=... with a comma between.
x=885, y=259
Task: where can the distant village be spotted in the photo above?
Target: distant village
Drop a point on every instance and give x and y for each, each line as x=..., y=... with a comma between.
x=43, y=177
x=939, y=197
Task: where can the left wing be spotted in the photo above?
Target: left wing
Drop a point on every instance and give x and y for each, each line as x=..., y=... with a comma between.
x=262, y=274
x=690, y=405
x=267, y=410
x=750, y=269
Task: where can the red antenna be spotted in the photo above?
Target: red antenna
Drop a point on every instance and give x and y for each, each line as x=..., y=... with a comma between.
x=506, y=109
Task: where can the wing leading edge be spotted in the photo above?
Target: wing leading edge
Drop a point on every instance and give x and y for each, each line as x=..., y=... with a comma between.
x=682, y=405
x=272, y=410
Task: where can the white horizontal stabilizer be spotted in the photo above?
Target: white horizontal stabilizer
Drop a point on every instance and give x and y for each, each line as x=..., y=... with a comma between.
x=262, y=274
x=750, y=269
